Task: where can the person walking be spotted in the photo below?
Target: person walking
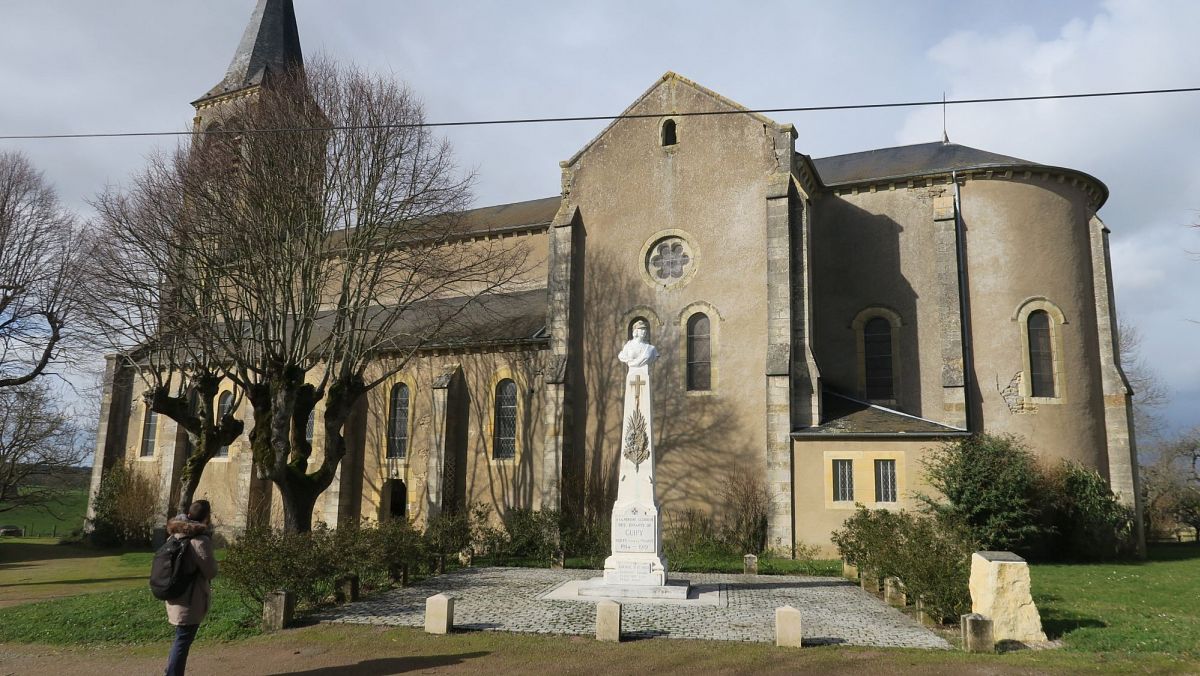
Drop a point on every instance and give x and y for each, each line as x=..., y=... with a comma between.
x=187, y=612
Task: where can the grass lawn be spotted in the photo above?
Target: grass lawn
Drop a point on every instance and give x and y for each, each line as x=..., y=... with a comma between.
x=1136, y=607
x=61, y=519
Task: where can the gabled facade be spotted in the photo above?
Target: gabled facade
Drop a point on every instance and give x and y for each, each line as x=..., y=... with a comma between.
x=821, y=323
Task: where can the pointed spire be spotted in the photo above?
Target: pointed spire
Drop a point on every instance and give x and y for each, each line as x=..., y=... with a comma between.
x=271, y=43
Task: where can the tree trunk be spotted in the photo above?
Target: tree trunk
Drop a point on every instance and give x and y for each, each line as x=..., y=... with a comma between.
x=299, y=498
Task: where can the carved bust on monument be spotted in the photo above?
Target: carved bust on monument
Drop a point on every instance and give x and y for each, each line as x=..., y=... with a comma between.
x=637, y=351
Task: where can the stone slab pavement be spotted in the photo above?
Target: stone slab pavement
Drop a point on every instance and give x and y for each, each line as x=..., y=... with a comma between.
x=511, y=599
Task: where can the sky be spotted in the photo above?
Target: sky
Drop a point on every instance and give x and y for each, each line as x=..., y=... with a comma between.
x=77, y=66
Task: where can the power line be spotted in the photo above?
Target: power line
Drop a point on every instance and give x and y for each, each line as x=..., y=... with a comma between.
x=592, y=118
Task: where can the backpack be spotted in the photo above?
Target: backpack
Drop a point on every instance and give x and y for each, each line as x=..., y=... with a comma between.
x=167, y=577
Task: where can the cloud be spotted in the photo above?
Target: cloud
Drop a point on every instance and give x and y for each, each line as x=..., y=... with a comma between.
x=1144, y=148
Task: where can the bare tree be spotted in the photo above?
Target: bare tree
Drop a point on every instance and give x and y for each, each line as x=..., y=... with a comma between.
x=38, y=263
x=1172, y=483
x=37, y=442
x=1149, y=392
x=139, y=267
x=318, y=237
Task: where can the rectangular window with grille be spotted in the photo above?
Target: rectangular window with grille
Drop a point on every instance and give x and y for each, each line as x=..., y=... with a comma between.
x=843, y=480
x=885, y=481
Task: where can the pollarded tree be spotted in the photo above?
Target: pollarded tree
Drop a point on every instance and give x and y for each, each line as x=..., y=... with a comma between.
x=315, y=250
x=138, y=268
x=39, y=255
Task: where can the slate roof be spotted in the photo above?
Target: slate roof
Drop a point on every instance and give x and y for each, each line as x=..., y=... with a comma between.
x=271, y=43
x=499, y=319
x=847, y=416
x=903, y=161
x=510, y=216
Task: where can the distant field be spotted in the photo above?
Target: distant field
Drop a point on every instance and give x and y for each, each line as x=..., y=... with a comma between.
x=62, y=518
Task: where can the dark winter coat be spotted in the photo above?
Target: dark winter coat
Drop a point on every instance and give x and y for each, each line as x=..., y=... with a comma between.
x=193, y=605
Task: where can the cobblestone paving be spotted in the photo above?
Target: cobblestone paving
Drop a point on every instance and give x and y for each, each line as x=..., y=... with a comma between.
x=507, y=599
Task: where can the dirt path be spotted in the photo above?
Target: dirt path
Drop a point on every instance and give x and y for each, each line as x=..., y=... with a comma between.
x=327, y=650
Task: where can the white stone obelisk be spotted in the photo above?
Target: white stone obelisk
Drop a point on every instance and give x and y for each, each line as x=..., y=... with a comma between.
x=637, y=567
x=636, y=523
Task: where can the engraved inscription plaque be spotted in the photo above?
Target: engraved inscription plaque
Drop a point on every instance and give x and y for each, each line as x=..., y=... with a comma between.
x=635, y=530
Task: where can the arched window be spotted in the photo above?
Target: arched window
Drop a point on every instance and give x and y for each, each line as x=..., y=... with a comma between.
x=504, y=430
x=149, y=433
x=668, y=133
x=397, y=440
x=1041, y=355
x=879, y=383
x=629, y=329
x=224, y=406
x=699, y=353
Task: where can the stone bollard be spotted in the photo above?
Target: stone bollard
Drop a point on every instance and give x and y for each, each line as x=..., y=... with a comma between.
x=347, y=590
x=278, y=609
x=787, y=627
x=922, y=617
x=977, y=634
x=849, y=570
x=608, y=621
x=893, y=592
x=869, y=581
x=749, y=565
x=439, y=614
x=559, y=560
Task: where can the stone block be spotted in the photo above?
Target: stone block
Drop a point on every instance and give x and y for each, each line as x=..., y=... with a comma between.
x=347, y=590
x=894, y=593
x=439, y=614
x=977, y=634
x=1000, y=591
x=750, y=565
x=608, y=621
x=787, y=627
x=559, y=561
x=278, y=609
x=869, y=581
x=849, y=570
x=924, y=618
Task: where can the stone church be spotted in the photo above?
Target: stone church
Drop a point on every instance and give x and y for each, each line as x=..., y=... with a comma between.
x=822, y=323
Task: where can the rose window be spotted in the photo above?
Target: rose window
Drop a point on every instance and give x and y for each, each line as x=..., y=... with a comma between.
x=669, y=260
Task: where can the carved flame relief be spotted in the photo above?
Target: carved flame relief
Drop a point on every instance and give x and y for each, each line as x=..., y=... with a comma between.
x=637, y=443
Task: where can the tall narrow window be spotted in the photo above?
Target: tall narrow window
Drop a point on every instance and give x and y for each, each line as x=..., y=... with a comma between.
x=843, y=480
x=193, y=406
x=149, y=433
x=699, y=353
x=1041, y=355
x=311, y=427
x=504, y=432
x=877, y=360
x=224, y=406
x=397, y=446
x=668, y=133
x=885, y=481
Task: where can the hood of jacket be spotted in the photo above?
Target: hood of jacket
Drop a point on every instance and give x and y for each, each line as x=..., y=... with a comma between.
x=181, y=525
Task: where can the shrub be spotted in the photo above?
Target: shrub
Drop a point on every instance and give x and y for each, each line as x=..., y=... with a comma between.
x=446, y=535
x=746, y=505
x=590, y=540
x=691, y=533
x=126, y=508
x=930, y=555
x=264, y=560
x=1084, y=520
x=532, y=534
x=990, y=484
